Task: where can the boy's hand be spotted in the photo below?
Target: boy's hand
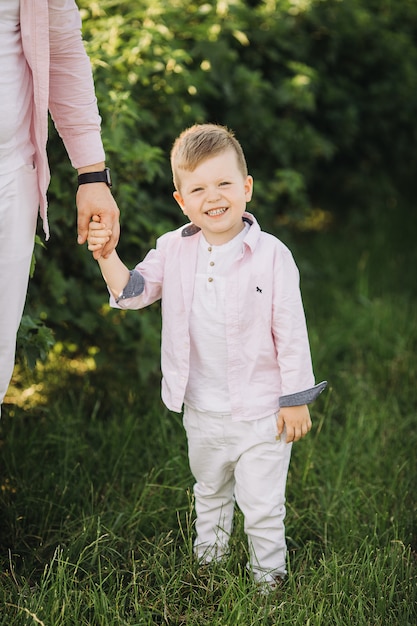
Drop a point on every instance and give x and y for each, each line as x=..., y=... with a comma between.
x=98, y=234
x=296, y=420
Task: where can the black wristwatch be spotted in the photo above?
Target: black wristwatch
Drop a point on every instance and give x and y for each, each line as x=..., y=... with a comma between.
x=96, y=177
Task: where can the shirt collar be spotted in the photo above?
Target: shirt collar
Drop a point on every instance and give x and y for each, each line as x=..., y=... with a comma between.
x=191, y=229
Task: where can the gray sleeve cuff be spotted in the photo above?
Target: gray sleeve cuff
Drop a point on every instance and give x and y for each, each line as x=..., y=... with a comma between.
x=303, y=397
x=134, y=287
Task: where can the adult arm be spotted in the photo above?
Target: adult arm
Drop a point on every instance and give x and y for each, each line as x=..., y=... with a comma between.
x=73, y=107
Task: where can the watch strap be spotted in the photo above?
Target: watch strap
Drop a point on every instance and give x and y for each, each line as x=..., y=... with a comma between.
x=96, y=177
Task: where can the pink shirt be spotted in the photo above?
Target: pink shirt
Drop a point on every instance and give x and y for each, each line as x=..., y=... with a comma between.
x=16, y=100
x=268, y=354
x=62, y=83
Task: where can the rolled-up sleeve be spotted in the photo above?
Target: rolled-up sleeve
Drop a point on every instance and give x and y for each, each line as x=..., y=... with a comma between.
x=134, y=287
x=303, y=397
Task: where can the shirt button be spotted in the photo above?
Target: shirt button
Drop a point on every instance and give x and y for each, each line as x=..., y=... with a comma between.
x=209, y=248
x=210, y=279
x=211, y=263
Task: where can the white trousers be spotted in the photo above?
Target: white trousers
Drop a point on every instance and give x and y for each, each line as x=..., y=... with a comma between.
x=240, y=461
x=19, y=200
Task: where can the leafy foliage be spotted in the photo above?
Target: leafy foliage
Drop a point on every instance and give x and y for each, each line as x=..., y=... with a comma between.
x=321, y=93
x=35, y=340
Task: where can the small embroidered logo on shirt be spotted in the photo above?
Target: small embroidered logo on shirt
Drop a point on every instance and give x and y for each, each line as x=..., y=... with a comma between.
x=259, y=289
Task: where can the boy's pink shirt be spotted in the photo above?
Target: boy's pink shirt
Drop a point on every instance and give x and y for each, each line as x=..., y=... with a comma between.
x=267, y=341
x=62, y=83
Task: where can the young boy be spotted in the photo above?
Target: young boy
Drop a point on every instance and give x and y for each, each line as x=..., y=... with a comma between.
x=235, y=350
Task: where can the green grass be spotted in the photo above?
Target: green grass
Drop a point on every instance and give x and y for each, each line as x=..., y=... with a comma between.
x=96, y=508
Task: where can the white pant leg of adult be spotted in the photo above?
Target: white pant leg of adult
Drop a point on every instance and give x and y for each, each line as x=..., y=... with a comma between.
x=19, y=200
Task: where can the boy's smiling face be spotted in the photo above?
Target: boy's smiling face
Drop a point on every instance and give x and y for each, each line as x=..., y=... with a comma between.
x=214, y=195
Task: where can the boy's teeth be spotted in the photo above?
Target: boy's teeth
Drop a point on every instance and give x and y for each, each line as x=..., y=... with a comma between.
x=216, y=211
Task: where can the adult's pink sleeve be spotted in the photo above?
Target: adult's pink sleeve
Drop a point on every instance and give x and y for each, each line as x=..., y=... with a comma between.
x=72, y=100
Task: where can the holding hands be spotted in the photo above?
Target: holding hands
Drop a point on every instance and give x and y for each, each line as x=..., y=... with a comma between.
x=95, y=200
x=115, y=273
x=98, y=234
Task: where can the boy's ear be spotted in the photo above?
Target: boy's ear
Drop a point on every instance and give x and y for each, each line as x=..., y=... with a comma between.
x=248, y=188
x=179, y=199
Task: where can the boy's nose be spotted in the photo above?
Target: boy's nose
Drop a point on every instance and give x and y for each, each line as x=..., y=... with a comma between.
x=213, y=195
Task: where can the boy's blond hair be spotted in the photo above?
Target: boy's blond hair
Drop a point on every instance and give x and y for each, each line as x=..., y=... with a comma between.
x=199, y=142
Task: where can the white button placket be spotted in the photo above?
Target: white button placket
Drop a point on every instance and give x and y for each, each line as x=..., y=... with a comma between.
x=211, y=265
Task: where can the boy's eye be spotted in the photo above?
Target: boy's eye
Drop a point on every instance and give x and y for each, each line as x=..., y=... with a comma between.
x=196, y=189
x=224, y=183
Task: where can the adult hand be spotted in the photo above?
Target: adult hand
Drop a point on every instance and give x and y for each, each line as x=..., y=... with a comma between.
x=96, y=199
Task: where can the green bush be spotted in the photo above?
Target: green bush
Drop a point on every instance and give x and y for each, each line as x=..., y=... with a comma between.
x=322, y=95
